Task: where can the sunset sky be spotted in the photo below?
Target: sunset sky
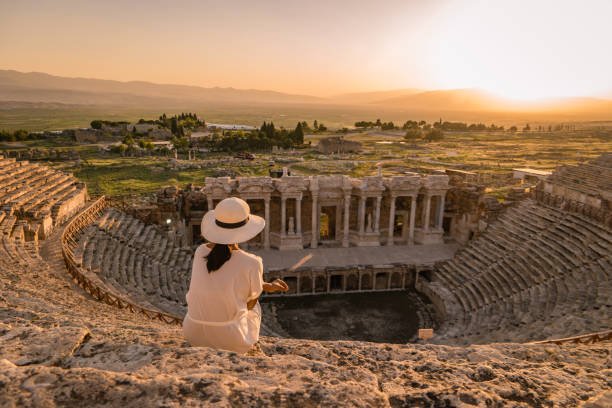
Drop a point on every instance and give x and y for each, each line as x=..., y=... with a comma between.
x=515, y=48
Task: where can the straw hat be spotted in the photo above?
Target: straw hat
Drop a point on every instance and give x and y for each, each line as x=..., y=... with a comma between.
x=231, y=222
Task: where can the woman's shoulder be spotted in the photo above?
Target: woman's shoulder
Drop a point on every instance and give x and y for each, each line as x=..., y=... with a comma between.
x=203, y=249
x=249, y=257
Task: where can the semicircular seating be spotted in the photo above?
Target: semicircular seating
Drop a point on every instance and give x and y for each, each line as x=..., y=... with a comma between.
x=136, y=260
x=38, y=194
x=538, y=272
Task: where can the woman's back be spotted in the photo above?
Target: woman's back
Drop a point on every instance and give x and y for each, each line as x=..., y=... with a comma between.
x=220, y=295
x=217, y=311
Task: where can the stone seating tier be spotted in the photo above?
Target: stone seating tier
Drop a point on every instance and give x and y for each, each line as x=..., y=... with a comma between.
x=138, y=259
x=41, y=195
x=590, y=178
x=535, y=266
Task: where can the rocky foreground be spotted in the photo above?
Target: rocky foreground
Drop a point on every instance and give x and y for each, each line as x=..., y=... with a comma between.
x=60, y=348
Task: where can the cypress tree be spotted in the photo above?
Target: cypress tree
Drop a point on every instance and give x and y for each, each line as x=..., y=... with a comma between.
x=298, y=135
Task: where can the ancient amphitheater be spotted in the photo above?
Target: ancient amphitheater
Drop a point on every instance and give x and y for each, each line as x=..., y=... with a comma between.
x=91, y=292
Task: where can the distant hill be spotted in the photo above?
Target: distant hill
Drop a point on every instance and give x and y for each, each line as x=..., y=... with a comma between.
x=27, y=95
x=475, y=100
x=40, y=87
x=374, y=96
x=455, y=99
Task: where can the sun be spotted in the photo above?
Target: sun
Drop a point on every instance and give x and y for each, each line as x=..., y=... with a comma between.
x=524, y=51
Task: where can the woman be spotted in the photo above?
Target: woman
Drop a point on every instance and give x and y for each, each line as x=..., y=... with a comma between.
x=226, y=282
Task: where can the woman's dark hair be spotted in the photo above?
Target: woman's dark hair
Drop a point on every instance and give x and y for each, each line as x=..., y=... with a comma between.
x=218, y=255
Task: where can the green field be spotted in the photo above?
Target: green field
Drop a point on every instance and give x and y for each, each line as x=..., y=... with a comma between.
x=120, y=176
x=491, y=153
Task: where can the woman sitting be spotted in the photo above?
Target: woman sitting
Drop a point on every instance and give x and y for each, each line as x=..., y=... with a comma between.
x=222, y=302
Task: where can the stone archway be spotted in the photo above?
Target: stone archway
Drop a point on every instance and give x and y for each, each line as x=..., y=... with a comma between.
x=352, y=282
x=396, y=280
x=305, y=284
x=320, y=284
x=381, y=280
x=366, y=282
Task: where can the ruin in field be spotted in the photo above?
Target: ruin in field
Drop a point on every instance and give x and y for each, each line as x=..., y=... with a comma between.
x=540, y=268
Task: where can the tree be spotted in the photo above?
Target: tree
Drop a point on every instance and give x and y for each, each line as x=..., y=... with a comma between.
x=364, y=124
x=21, y=134
x=298, y=134
x=413, y=134
x=146, y=144
x=315, y=125
x=129, y=141
x=96, y=124
x=6, y=136
x=174, y=125
x=180, y=143
x=411, y=124
x=387, y=126
x=122, y=148
x=527, y=128
x=322, y=127
x=434, y=135
x=513, y=129
x=378, y=122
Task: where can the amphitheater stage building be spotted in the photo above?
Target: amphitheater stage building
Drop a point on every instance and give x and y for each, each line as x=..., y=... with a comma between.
x=349, y=257
x=320, y=211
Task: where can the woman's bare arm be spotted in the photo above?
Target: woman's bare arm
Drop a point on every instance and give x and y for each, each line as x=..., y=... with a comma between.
x=278, y=285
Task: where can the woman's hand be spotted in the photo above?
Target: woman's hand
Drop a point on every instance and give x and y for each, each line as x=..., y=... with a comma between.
x=278, y=285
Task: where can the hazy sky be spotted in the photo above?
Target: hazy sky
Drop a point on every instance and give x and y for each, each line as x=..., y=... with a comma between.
x=517, y=48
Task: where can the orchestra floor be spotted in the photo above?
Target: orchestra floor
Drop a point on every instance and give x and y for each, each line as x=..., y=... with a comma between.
x=274, y=259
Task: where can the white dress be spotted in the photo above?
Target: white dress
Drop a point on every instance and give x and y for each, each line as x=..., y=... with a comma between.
x=217, y=314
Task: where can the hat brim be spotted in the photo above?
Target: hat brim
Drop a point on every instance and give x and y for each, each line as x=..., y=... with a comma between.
x=219, y=235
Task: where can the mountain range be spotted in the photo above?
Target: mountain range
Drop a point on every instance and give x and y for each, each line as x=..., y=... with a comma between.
x=41, y=88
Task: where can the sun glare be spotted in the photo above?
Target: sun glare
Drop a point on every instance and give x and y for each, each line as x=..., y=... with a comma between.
x=523, y=50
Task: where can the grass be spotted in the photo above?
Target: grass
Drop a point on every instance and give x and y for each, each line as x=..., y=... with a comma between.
x=480, y=152
x=125, y=176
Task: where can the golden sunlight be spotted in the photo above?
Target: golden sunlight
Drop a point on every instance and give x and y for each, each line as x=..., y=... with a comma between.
x=522, y=50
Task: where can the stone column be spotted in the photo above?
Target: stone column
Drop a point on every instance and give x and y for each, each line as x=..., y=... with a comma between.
x=441, y=211
x=283, y=231
x=267, y=227
x=315, y=222
x=427, y=212
x=377, y=216
x=391, y=221
x=413, y=205
x=298, y=215
x=361, y=215
x=347, y=204
x=211, y=203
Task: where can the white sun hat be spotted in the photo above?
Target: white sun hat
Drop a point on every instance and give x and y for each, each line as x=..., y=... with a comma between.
x=231, y=222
